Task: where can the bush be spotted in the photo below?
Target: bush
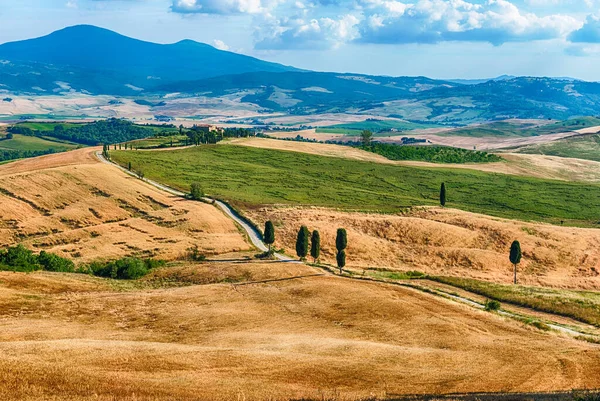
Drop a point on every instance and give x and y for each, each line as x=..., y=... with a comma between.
x=20, y=259
x=124, y=269
x=492, y=305
x=196, y=191
x=54, y=263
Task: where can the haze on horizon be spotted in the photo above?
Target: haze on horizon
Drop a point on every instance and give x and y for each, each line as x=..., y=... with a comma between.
x=435, y=38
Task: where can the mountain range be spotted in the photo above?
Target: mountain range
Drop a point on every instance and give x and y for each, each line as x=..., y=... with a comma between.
x=92, y=60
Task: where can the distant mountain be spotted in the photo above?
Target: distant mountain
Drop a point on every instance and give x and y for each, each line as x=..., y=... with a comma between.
x=480, y=81
x=307, y=91
x=93, y=60
x=92, y=48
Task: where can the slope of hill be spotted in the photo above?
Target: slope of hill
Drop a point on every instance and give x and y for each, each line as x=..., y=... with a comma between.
x=94, y=49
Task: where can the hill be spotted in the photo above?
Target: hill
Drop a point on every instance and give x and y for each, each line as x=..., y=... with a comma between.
x=102, y=53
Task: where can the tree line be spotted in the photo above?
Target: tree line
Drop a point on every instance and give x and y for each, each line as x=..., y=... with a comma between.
x=109, y=131
x=307, y=242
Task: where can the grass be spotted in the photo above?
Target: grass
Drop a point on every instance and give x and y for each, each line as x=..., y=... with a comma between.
x=256, y=177
x=379, y=127
x=433, y=154
x=394, y=275
x=160, y=142
x=45, y=126
x=520, y=129
x=583, y=306
x=31, y=143
x=579, y=147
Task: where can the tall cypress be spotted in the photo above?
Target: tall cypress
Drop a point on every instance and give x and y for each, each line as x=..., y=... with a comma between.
x=269, y=237
x=315, y=246
x=302, y=242
x=443, y=195
x=341, y=242
x=515, y=257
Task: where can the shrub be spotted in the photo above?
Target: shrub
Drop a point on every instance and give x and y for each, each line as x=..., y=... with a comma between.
x=20, y=259
x=196, y=191
x=124, y=269
x=54, y=263
x=492, y=305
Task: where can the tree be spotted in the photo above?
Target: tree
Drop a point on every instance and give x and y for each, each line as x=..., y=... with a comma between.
x=515, y=257
x=180, y=129
x=196, y=191
x=9, y=136
x=366, y=137
x=443, y=195
x=129, y=166
x=315, y=246
x=341, y=260
x=341, y=242
x=302, y=242
x=269, y=236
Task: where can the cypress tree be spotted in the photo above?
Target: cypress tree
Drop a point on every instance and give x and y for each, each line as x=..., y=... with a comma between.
x=315, y=246
x=302, y=242
x=341, y=242
x=515, y=257
x=269, y=236
x=443, y=195
x=341, y=260
x=129, y=166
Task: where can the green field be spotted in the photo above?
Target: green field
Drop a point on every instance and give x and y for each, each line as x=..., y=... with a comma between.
x=32, y=143
x=46, y=126
x=519, y=129
x=250, y=177
x=580, y=305
x=580, y=147
x=160, y=142
x=379, y=127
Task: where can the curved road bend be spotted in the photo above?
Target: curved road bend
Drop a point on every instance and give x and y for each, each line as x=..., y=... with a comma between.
x=255, y=237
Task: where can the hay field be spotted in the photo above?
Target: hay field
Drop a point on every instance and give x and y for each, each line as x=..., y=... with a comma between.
x=448, y=242
x=76, y=206
x=66, y=337
x=538, y=166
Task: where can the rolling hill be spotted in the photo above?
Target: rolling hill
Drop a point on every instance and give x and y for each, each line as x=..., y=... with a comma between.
x=107, y=53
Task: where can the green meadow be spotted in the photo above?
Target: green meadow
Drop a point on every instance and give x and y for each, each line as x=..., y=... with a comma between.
x=32, y=143
x=252, y=177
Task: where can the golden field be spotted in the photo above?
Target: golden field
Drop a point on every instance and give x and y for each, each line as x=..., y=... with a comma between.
x=73, y=205
x=448, y=242
x=236, y=329
x=69, y=337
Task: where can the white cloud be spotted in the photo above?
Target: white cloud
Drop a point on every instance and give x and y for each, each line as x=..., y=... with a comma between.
x=223, y=6
x=301, y=24
x=219, y=44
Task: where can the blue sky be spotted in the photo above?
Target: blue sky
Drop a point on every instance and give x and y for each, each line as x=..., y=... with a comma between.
x=436, y=38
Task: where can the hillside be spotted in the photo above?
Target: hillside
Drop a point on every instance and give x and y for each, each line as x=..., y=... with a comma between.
x=75, y=206
x=104, y=54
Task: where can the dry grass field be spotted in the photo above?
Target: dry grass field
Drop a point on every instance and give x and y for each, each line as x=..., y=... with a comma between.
x=538, y=166
x=74, y=205
x=234, y=329
x=449, y=242
x=70, y=337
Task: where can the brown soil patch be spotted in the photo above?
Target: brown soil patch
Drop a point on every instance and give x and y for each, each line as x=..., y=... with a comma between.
x=319, y=338
x=73, y=205
x=449, y=242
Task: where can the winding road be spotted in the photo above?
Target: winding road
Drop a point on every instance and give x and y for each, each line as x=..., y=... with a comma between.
x=253, y=234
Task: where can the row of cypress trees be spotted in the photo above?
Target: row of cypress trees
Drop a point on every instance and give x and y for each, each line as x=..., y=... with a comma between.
x=306, y=240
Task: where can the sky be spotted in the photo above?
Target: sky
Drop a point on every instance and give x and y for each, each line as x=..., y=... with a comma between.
x=435, y=38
